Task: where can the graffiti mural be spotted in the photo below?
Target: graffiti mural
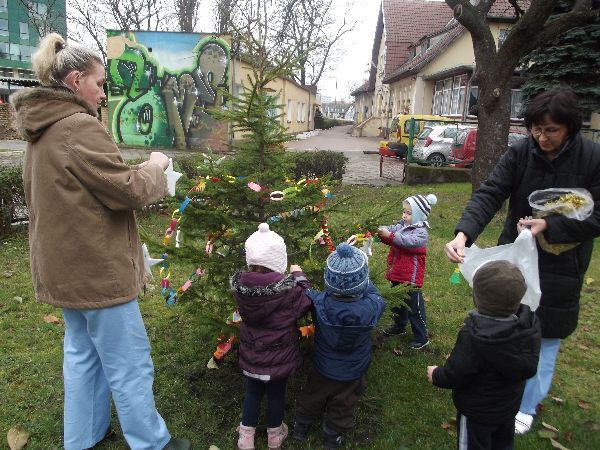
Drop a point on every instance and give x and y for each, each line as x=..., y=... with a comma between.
x=162, y=85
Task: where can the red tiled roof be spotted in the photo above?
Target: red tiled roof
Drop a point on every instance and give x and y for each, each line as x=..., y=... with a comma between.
x=502, y=9
x=405, y=22
x=413, y=65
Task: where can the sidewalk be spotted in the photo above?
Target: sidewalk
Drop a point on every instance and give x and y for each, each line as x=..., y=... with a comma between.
x=362, y=168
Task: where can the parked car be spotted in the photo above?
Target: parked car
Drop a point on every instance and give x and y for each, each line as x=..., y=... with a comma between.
x=433, y=145
x=400, y=127
x=462, y=152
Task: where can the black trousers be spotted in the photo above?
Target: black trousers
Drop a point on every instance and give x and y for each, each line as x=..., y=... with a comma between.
x=473, y=435
x=336, y=400
x=255, y=390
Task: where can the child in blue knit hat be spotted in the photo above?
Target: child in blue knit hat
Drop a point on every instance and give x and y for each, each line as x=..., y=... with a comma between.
x=406, y=265
x=344, y=315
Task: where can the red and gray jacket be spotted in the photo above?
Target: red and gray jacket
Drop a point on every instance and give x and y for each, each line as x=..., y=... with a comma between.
x=408, y=250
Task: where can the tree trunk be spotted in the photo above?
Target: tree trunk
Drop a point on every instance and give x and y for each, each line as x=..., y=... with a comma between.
x=493, y=111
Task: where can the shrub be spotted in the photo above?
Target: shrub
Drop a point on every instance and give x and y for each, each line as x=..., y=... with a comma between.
x=319, y=120
x=12, y=197
x=318, y=164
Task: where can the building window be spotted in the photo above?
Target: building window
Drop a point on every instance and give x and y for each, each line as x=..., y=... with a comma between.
x=289, y=110
x=4, y=50
x=502, y=37
x=516, y=103
x=437, y=97
x=3, y=27
x=303, y=111
x=298, y=112
x=3, y=6
x=24, y=31
x=15, y=52
x=458, y=95
x=25, y=53
x=41, y=8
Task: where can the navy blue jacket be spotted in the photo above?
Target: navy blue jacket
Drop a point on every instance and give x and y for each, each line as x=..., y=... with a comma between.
x=343, y=332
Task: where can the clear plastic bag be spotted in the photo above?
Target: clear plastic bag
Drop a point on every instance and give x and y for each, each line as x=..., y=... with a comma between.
x=575, y=203
x=522, y=253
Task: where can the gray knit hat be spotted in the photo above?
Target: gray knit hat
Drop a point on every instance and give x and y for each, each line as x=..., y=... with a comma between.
x=498, y=287
x=347, y=271
x=421, y=206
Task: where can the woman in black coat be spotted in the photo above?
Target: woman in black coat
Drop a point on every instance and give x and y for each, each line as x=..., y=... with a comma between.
x=554, y=156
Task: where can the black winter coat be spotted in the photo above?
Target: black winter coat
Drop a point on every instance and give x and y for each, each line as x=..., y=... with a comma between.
x=521, y=170
x=489, y=365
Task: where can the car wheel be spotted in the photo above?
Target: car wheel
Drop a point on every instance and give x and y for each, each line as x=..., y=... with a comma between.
x=436, y=159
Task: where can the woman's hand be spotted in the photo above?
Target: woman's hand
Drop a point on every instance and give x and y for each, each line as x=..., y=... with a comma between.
x=430, y=370
x=455, y=249
x=535, y=225
x=159, y=159
x=383, y=232
x=295, y=268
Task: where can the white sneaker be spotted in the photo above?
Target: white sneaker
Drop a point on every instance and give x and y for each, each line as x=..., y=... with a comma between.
x=523, y=423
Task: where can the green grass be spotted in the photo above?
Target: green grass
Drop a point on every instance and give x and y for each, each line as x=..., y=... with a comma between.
x=400, y=409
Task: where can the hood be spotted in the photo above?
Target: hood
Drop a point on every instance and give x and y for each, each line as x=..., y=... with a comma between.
x=40, y=108
x=260, y=294
x=507, y=344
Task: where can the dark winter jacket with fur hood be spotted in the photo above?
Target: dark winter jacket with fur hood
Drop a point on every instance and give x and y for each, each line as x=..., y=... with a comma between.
x=270, y=305
x=489, y=365
x=84, y=246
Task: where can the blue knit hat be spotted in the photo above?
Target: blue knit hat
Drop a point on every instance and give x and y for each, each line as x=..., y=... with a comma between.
x=347, y=271
x=421, y=207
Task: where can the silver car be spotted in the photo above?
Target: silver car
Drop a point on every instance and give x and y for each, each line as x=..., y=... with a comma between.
x=433, y=145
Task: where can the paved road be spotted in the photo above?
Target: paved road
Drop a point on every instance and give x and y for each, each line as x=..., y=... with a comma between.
x=362, y=168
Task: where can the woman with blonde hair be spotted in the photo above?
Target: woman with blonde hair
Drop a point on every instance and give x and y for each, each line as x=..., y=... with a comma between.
x=85, y=252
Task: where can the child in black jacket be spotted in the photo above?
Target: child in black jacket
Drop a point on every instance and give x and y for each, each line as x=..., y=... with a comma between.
x=495, y=352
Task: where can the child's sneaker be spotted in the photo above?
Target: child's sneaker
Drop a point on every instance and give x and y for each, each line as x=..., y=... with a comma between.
x=277, y=435
x=246, y=438
x=301, y=429
x=523, y=423
x=394, y=330
x=418, y=345
x=333, y=439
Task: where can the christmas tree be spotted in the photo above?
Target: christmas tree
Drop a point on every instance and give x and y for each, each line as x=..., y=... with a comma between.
x=225, y=205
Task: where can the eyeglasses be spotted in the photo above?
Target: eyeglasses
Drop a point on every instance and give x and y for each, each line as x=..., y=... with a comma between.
x=549, y=132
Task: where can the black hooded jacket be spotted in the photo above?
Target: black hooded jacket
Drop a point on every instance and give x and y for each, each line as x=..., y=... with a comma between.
x=489, y=365
x=521, y=170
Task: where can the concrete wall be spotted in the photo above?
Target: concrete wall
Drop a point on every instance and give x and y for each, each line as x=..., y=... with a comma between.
x=298, y=103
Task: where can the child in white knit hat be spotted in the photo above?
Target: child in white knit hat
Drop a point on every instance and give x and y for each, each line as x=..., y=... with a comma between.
x=270, y=303
x=408, y=241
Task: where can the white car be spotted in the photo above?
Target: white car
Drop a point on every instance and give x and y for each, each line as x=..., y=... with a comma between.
x=433, y=145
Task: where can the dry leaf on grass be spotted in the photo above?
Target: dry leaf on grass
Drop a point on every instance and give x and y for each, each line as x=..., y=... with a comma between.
x=558, y=401
x=17, y=438
x=558, y=445
x=547, y=434
x=584, y=404
x=49, y=318
x=588, y=425
x=582, y=347
x=446, y=426
x=547, y=426
x=7, y=274
x=589, y=280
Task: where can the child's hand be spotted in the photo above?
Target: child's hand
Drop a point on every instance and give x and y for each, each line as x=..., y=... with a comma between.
x=383, y=232
x=295, y=268
x=520, y=225
x=430, y=370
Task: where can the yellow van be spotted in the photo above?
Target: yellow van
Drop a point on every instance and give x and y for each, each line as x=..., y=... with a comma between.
x=400, y=128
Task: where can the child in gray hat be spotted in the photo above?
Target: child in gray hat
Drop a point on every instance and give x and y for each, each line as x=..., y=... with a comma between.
x=495, y=352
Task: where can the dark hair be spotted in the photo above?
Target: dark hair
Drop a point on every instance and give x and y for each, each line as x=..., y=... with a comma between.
x=260, y=269
x=560, y=104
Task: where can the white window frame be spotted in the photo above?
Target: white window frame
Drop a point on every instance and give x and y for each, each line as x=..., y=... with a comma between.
x=24, y=31
x=516, y=103
x=4, y=31
x=298, y=112
x=289, y=111
x=3, y=6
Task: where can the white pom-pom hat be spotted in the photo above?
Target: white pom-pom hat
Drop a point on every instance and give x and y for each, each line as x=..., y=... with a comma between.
x=421, y=207
x=266, y=248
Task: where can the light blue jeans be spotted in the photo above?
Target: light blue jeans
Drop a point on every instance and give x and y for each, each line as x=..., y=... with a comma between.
x=106, y=351
x=538, y=386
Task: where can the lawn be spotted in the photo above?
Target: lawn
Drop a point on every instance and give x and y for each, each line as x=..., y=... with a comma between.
x=399, y=410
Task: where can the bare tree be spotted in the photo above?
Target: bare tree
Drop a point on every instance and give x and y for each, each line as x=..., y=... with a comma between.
x=495, y=67
x=89, y=25
x=44, y=17
x=312, y=29
x=186, y=14
x=137, y=14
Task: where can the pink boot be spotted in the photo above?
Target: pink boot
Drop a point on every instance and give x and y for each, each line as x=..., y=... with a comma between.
x=246, y=438
x=277, y=436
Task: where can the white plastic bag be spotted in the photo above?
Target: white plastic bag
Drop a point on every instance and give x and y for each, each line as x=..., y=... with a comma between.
x=522, y=253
